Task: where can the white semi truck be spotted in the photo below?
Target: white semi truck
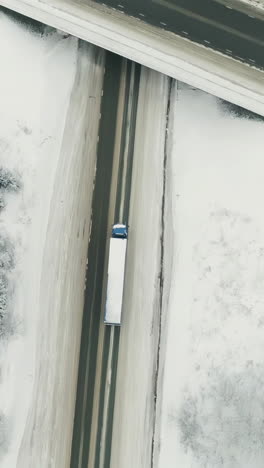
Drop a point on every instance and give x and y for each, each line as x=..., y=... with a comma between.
x=115, y=275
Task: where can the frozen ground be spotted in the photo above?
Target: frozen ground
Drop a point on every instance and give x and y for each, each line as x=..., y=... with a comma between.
x=212, y=393
x=49, y=86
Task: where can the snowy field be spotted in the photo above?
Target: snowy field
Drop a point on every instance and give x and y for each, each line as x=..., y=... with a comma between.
x=212, y=393
x=50, y=104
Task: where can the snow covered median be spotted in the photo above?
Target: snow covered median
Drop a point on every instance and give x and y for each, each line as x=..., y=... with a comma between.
x=50, y=103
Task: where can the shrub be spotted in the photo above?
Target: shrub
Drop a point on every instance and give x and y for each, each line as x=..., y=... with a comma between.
x=9, y=180
x=3, y=434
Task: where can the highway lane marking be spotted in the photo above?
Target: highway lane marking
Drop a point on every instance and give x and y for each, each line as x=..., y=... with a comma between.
x=99, y=378
x=106, y=399
x=238, y=57
x=126, y=148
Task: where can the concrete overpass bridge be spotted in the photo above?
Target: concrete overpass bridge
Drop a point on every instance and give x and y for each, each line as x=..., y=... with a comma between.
x=214, y=45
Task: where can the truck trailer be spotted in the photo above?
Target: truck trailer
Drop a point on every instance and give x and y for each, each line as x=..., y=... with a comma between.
x=115, y=275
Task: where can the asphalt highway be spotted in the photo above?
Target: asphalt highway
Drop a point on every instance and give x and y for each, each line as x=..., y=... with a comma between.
x=91, y=444
x=215, y=25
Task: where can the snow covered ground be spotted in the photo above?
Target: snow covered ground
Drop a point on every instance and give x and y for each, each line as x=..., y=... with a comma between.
x=50, y=105
x=212, y=400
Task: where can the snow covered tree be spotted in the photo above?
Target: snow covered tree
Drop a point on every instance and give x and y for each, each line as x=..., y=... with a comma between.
x=6, y=265
x=221, y=423
x=2, y=202
x=3, y=297
x=9, y=180
x=6, y=254
x=3, y=434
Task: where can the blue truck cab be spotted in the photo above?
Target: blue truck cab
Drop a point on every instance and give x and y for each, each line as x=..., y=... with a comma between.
x=119, y=231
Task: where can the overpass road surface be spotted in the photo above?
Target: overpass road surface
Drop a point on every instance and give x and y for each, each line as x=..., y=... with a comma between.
x=91, y=444
x=218, y=26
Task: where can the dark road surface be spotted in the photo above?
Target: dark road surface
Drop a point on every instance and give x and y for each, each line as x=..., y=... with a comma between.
x=95, y=271
x=91, y=445
x=207, y=22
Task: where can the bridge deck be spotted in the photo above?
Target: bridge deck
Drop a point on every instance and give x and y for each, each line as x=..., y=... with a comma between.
x=157, y=48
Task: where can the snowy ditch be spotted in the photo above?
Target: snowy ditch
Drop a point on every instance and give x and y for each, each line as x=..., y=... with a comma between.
x=50, y=85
